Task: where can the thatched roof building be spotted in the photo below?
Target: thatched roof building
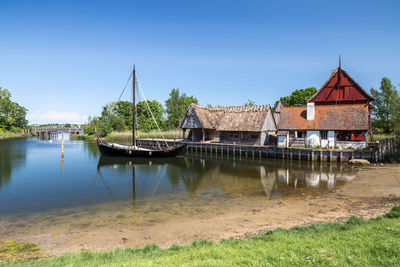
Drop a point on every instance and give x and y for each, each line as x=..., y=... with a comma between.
x=244, y=124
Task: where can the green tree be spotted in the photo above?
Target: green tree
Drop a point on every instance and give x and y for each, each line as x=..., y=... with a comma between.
x=298, y=98
x=176, y=107
x=145, y=121
x=115, y=113
x=250, y=103
x=124, y=109
x=386, y=105
x=12, y=115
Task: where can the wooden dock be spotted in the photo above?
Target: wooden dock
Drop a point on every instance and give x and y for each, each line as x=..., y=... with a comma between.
x=383, y=151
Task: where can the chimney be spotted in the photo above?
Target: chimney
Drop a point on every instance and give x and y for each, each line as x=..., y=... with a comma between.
x=310, y=111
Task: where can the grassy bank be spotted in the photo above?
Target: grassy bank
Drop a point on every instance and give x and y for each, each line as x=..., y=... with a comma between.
x=7, y=134
x=375, y=242
x=174, y=133
x=169, y=134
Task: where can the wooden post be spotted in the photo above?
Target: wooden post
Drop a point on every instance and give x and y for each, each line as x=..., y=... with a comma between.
x=183, y=134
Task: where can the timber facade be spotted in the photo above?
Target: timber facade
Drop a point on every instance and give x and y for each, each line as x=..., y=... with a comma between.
x=253, y=125
x=337, y=116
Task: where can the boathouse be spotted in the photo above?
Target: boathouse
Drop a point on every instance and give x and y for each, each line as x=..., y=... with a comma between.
x=252, y=125
x=338, y=115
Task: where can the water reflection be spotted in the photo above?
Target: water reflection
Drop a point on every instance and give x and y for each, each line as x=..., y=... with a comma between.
x=237, y=178
x=12, y=157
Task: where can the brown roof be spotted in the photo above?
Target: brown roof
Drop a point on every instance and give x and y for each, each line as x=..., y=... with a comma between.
x=327, y=117
x=240, y=118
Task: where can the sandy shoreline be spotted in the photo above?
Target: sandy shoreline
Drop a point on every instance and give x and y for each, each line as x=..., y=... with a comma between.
x=373, y=192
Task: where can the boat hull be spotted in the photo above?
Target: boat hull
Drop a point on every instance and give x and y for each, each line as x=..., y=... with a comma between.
x=107, y=149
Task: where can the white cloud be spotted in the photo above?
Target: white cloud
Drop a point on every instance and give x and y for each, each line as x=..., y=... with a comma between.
x=55, y=116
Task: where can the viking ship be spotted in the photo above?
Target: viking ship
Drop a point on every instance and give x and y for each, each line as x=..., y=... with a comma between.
x=136, y=150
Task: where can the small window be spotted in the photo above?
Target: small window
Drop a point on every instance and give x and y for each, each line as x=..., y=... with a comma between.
x=299, y=134
x=324, y=135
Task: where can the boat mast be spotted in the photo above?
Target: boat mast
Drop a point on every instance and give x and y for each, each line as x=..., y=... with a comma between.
x=133, y=105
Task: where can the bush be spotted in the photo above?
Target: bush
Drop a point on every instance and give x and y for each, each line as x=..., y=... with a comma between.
x=103, y=127
x=393, y=213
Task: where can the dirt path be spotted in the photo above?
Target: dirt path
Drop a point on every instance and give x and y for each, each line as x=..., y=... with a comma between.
x=373, y=192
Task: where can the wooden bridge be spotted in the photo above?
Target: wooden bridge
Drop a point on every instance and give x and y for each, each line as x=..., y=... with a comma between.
x=55, y=131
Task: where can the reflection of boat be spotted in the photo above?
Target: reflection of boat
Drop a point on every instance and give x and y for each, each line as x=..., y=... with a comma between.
x=114, y=149
x=122, y=162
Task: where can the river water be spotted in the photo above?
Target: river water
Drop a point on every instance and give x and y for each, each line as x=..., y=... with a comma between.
x=42, y=192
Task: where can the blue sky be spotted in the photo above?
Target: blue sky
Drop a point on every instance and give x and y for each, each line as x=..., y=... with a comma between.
x=63, y=60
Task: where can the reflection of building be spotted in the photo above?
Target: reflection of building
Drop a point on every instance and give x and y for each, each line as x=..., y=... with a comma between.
x=240, y=178
x=249, y=178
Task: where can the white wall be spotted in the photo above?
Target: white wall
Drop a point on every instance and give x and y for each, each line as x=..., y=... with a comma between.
x=351, y=144
x=331, y=138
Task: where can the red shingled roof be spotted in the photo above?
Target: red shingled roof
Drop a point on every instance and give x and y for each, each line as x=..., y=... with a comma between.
x=327, y=117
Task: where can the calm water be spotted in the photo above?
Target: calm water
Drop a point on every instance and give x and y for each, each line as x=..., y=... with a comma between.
x=38, y=188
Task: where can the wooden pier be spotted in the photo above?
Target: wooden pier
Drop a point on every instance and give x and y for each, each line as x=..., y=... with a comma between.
x=383, y=151
x=54, y=132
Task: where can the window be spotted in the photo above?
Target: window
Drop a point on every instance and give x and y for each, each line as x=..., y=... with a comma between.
x=299, y=134
x=324, y=135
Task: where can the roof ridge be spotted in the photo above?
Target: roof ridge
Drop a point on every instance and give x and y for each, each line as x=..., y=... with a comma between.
x=256, y=108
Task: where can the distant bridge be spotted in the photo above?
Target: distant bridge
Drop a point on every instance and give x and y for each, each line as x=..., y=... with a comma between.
x=55, y=131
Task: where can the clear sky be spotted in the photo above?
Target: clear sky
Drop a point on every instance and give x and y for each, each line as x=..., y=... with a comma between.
x=63, y=60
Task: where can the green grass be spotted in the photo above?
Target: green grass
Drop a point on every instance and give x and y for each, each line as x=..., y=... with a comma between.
x=375, y=242
x=82, y=137
x=382, y=136
x=8, y=134
x=11, y=250
x=168, y=134
x=154, y=134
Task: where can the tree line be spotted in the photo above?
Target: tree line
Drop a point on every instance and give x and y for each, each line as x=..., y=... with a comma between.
x=12, y=115
x=386, y=112
x=117, y=116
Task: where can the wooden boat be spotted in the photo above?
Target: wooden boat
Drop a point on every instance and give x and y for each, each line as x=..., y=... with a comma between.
x=114, y=149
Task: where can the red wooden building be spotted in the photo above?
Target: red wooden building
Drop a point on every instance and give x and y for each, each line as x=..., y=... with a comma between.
x=338, y=115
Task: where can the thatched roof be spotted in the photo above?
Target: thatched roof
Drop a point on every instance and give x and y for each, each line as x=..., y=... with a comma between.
x=242, y=118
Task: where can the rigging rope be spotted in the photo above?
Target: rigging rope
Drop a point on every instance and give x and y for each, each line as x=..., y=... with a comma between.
x=130, y=76
x=148, y=107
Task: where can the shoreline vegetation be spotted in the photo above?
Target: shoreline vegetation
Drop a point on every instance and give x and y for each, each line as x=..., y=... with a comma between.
x=372, y=242
x=154, y=134
x=9, y=134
